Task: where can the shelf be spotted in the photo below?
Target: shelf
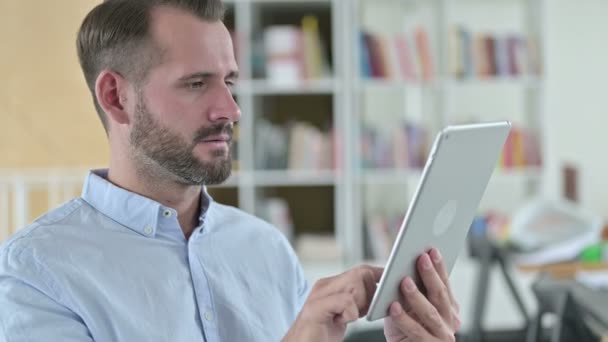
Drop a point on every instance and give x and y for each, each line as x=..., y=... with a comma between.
x=390, y=176
x=262, y=87
x=280, y=178
x=380, y=83
x=400, y=176
x=293, y=178
x=531, y=173
x=520, y=81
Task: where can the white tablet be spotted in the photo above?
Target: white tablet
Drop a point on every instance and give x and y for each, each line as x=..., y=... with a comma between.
x=444, y=205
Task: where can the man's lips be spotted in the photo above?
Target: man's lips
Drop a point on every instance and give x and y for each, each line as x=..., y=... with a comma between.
x=218, y=138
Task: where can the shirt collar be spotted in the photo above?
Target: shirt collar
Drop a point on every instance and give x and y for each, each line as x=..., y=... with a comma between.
x=131, y=210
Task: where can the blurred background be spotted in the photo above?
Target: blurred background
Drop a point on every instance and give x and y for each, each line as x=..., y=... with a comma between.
x=341, y=101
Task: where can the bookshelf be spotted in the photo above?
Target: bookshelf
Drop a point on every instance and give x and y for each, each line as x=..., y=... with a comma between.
x=289, y=121
x=462, y=83
x=360, y=112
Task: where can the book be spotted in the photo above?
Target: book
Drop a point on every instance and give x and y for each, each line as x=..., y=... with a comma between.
x=296, y=146
x=404, y=56
x=481, y=58
x=312, y=56
x=467, y=53
x=405, y=146
x=521, y=149
x=377, y=60
x=490, y=54
x=271, y=143
x=501, y=56
x=365, y=56
x=425, y=56
x=486, y=55
x=455, y=52
x=309, y=148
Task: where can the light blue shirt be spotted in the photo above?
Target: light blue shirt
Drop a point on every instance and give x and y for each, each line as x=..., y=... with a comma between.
x=114, y=266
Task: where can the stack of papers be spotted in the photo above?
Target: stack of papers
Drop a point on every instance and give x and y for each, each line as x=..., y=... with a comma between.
x=546, y=232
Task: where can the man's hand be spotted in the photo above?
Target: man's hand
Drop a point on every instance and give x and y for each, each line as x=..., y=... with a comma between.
x=333, y=302
x=431, y=317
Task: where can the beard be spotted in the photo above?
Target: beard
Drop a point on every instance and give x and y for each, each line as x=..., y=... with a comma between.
x=158, y=147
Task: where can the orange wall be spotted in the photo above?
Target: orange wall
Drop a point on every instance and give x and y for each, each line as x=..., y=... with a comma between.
x=48, y=118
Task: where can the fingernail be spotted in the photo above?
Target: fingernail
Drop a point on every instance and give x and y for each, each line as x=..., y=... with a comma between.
x=435, y=255
x=409, y=285
x=396, y=309
x=426, y=262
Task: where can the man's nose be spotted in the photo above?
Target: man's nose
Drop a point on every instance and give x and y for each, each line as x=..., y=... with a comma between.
x=224, y=107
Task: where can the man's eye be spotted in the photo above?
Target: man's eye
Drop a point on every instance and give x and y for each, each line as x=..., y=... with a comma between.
x=196, y=85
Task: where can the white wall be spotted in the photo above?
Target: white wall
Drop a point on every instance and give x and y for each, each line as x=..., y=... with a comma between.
x=577, y=94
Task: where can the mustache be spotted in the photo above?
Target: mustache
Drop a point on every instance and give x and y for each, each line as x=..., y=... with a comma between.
x=205, y=132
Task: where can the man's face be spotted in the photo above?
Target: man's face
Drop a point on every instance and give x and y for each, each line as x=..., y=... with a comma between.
x=185, y=110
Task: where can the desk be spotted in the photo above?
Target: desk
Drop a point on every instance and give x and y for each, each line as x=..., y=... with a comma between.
x=564, y=269
x=552, y=296
x=592, y=304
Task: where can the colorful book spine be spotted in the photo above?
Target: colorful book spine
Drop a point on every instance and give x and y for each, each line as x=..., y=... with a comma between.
x=521, y=150
x=404, y=57
x=396, y=56
x=491, y=55
x=311, y=47
x=365, y=55
x=423, y=47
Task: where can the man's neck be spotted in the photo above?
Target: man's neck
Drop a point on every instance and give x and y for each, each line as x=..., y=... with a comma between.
x=185, y=199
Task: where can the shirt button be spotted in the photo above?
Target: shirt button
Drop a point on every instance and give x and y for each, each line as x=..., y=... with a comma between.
x=167, y=213
x=148, y=230
x=209, y=316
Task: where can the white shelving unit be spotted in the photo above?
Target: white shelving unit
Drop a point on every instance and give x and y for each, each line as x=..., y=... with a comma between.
x=255, y=95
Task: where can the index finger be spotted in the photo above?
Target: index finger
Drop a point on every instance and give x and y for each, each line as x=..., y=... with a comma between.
x=377, y=272
x=370, y=276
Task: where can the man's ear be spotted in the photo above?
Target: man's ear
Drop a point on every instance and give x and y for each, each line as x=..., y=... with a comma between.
x=111, y=91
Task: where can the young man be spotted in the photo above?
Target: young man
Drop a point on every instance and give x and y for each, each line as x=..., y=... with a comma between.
x=145, y=254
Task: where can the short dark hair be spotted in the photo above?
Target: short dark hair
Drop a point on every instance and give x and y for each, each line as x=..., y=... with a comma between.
x=115, y=35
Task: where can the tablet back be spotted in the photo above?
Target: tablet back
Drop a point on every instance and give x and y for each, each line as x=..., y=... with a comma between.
x=454, y=179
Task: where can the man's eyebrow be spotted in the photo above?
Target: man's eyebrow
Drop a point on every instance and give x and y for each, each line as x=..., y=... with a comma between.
x=204, y=75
